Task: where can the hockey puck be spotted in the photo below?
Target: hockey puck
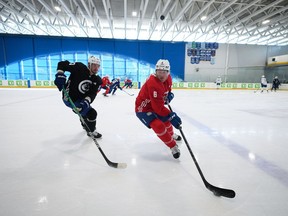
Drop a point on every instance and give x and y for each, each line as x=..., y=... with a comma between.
x=162, y=17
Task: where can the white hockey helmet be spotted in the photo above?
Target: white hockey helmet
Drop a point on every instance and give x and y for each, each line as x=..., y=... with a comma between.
x=163, y=64
x=263, y=75
x=94, y=60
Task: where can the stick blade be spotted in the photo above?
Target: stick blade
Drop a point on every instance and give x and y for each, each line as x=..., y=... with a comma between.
x=221, y=191
x=121, y=165
x=117, y=165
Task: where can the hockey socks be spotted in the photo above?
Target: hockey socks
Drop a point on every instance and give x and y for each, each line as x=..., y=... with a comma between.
x=161, y=131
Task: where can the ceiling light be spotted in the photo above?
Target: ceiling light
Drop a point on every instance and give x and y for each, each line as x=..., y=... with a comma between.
x=134, y=13
x=265, y=22
x=203, y=18
x=57, y=8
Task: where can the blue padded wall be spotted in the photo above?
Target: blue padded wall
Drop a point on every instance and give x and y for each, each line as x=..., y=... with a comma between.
x=127, y=48
x=2, y=51
x=19, y=47
x=70, y=45
x=43, y=45
x=101, y=45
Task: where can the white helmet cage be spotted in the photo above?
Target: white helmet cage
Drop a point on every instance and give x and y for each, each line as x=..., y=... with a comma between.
x=163, y=64
x=94, y=60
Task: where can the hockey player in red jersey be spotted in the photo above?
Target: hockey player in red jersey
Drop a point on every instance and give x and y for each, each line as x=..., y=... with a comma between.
x=127, y=83
x=106, y=85
x=82, y=86
x=151, y=110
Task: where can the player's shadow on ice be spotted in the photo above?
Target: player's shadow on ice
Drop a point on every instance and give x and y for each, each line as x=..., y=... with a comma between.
x=70, y=143
x=154, y=152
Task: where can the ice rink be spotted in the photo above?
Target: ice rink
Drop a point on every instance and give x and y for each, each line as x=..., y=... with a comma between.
x=49, y=167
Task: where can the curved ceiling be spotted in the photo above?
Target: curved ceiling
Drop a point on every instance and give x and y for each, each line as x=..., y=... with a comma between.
x=262, y=22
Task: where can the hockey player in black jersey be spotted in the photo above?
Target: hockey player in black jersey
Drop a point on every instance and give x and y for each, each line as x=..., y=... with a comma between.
x=82, y=86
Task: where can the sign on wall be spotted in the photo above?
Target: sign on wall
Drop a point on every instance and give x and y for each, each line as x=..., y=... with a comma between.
x=202, y=51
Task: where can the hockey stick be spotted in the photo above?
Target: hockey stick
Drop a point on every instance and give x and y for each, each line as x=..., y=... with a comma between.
x=127, y=92
x=216, y=190
x=110, y=163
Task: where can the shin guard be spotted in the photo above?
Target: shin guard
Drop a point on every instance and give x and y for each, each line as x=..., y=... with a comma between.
x=169, y=127
x=160, y=129
x=90, y=119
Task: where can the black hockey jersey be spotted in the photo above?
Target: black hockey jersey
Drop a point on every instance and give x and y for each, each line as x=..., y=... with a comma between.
x=80, y=83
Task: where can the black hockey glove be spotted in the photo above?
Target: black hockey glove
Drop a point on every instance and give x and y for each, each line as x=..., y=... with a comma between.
x=175, y=120
x=60, y=80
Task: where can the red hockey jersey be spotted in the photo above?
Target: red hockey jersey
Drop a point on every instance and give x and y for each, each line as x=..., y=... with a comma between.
x=105, y=81
x=152, y=94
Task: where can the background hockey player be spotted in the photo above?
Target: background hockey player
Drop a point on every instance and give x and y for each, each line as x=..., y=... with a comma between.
x=115, y=84
x=127, y=83
x=82, y=87
x=105, y=85
x=218, y=82
x=275, y=84
x=151, y=110
x=264, y=83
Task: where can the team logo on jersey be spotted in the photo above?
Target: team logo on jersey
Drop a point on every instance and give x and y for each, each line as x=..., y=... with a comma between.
x=83, y=86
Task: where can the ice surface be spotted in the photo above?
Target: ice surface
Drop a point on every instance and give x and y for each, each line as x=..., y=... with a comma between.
x=48, y=166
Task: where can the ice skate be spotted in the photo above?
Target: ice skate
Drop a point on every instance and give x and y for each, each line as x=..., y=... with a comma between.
x=94, y=134
x=177, y=137
x=175, y=152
